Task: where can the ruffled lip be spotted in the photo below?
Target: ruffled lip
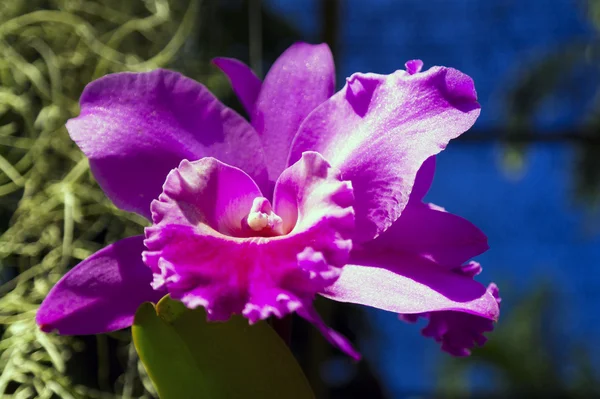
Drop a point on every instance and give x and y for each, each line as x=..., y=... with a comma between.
x=217, y=243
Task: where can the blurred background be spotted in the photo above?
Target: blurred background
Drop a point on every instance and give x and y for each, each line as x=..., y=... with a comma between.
x=528, y=174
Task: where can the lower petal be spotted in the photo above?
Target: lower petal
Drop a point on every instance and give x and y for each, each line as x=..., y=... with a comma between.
x=430, y=232
x=334, y=338
x=102, y=293
x=423, y=180
x=458, y=332
x=281, y=303
x=404, y=283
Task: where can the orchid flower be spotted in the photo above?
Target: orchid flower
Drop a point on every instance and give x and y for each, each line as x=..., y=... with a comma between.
x=320, y=193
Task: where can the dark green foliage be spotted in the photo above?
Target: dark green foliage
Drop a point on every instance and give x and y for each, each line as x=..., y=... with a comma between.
x=214, y=360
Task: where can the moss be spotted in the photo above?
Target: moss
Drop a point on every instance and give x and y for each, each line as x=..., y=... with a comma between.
x=52, y=213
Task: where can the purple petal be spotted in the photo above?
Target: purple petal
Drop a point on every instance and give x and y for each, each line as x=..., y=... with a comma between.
x=301, y=79
x=310, y=191
x=423, y=180
x=458, y=332
x=202, y=250
x=136, y=127
x=379, y=129
x=206, y=192
x=102, y=293
x=414, y=66
x=403, y=283
x=219, y=265
x=246, y=85
x=334, y=338
x=431, y=232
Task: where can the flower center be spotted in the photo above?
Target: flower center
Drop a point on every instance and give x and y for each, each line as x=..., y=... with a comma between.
x=262, y=219
x=258, y=220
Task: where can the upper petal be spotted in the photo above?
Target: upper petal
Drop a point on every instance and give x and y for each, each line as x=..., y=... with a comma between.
x=404, y=283
x=102, y=293
x=301, y=79
x=246, y=85
x=379, y=129
x=136, y=127
x=430, y=232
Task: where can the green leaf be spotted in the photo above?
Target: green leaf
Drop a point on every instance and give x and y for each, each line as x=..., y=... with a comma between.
x=186, y=356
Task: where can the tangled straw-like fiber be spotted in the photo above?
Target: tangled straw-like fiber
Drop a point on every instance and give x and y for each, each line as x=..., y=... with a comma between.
x=52, y=213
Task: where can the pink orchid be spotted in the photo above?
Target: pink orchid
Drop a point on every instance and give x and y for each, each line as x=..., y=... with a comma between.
x=320, y=193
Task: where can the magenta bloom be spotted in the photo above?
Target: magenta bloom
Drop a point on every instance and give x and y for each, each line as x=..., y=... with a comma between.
x=320, y=193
